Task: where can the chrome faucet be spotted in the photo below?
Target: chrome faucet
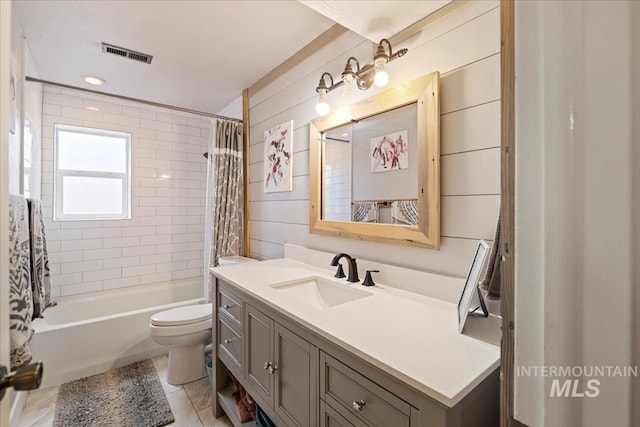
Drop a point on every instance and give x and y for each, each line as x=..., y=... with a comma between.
x=353, y=267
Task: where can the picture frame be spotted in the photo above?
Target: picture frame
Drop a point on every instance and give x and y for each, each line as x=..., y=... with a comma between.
x=471, y=299
x=390, y=152
x=278, y=158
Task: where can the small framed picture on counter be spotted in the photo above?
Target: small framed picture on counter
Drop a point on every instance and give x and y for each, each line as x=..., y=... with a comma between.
x=471, y=299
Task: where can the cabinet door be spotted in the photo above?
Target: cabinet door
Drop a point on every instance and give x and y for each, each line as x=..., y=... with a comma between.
x=259, y=353
x=296, y=394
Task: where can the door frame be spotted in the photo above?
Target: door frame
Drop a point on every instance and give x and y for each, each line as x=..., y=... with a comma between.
x=507, y=210
x=5, y=58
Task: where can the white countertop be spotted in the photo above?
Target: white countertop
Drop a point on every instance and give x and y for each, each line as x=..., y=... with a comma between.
x=411, y=336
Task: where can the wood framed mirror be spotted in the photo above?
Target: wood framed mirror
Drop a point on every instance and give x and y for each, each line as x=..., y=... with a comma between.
x=379, y=154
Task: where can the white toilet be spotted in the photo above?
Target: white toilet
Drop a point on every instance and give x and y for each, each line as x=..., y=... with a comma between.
x=185, y=330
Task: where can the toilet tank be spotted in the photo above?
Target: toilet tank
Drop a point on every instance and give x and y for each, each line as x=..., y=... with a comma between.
x=230, y=260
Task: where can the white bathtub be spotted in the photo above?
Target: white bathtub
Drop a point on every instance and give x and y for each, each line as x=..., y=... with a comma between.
x=85, y=335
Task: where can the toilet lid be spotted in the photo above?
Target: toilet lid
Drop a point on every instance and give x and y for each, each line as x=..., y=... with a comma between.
x=183, y=315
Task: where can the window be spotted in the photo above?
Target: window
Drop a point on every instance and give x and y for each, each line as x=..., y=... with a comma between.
x=91, y=174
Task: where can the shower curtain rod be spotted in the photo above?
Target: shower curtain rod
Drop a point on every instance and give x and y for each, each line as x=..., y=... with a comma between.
x=127, y=98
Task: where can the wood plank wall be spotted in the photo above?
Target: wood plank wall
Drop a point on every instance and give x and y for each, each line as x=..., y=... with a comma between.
x=464, y=46
x=507, y=244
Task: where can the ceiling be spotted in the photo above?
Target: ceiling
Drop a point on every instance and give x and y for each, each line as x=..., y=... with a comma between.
x=204, y=52
x=375, y=20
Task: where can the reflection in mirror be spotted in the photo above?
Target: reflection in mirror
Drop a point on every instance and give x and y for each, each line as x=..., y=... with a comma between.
x=374, y=167
x=370, y=169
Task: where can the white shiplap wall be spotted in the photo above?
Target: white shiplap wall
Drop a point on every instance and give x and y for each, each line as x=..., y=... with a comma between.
x=164, y=239
x=464, y=46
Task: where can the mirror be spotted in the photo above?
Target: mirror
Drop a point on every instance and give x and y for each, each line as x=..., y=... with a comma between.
x=371, y=169
x=375, y=167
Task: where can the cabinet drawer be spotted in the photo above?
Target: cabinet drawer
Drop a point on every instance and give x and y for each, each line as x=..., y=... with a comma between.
x=347, y=391
x=329, y=417
x=230, y=305
x=230, y=344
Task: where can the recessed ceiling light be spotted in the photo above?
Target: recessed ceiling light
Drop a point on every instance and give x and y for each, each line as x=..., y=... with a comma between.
x=93, y=80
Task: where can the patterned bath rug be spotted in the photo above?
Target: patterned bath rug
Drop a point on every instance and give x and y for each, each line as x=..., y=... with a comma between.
x=131, y=396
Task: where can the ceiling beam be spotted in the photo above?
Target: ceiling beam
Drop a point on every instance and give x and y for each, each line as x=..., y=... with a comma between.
x=426, y=21
x=312, y=47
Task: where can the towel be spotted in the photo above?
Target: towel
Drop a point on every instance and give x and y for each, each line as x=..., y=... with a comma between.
x=20, y=294
x=364, y=212
x=404, y=212
x=491, y=281
x=40, y=275
x=243, y=402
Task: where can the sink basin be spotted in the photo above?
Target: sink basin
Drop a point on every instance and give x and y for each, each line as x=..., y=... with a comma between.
x=319, y=292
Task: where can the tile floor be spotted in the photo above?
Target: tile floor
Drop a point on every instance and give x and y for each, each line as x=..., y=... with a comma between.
x=190, y=403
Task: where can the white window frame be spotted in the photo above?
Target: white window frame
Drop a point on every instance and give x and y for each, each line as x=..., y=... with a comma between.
x=59, y=174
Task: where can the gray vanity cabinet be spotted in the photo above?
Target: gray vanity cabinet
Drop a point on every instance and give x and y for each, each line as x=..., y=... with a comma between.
x=301, y=379
x=282, y=368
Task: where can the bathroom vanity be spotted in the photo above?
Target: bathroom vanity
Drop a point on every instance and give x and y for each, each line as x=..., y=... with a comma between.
x=313, y=350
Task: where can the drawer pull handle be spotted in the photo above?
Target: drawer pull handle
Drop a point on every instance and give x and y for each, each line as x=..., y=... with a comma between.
x=358, y=405
x=226, y=306
x=267, y=365
x=228, y=341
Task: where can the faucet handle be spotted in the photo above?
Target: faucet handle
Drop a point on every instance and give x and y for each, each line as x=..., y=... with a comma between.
x=368, y=280
x=340, y=272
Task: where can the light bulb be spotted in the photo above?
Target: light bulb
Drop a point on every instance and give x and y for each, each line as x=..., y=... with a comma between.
x=322, y=107
x=381, y=78
x=349, y=85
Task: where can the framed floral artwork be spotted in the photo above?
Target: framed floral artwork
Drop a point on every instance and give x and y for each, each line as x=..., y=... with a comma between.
x=390, y=152
x=278, y=157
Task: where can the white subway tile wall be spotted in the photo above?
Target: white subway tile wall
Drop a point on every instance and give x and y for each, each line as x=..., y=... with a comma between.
x=164, y=239
x=337, y=181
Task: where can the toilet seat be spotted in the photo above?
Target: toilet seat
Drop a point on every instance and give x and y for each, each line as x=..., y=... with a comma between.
x=176, y=331
x=182, y=320
x=183, y=315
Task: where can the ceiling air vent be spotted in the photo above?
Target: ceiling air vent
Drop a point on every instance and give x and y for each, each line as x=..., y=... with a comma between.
x=127, y=53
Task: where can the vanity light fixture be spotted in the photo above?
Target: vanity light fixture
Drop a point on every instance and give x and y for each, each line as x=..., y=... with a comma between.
x=93, y=80
x=362, y=77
